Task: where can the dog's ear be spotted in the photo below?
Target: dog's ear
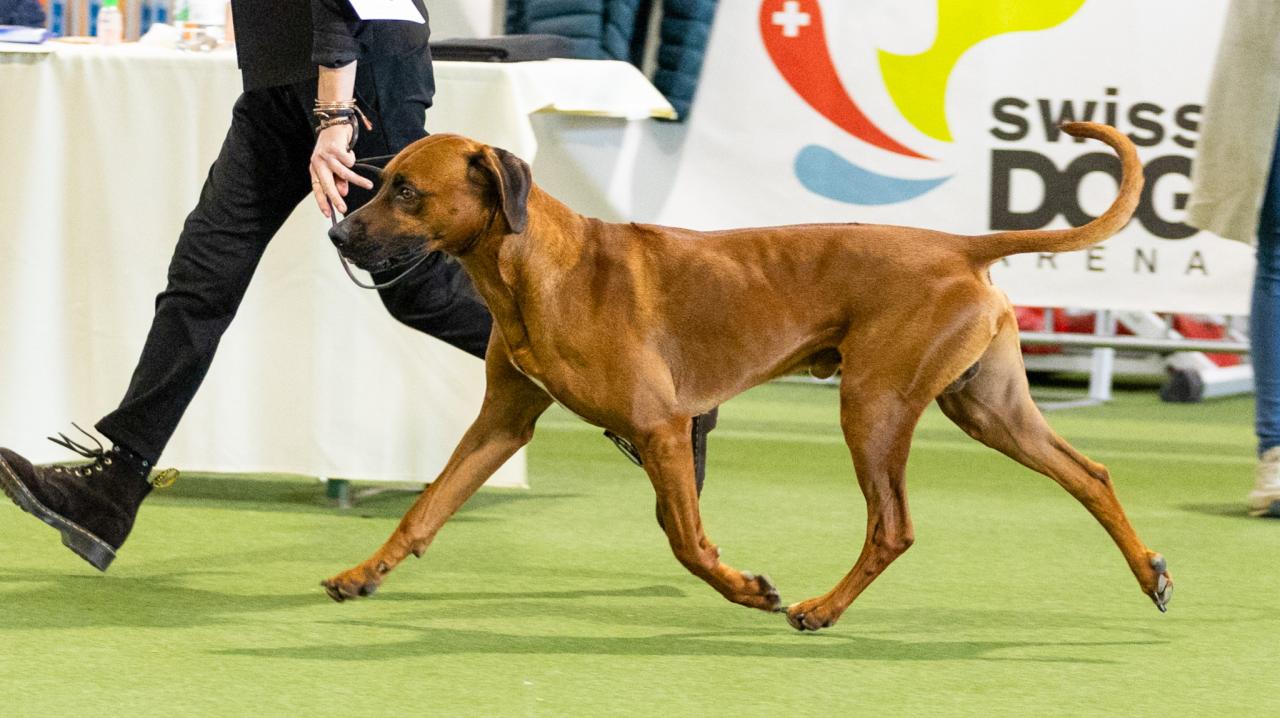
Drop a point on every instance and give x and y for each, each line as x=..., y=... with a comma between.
x=511, y=181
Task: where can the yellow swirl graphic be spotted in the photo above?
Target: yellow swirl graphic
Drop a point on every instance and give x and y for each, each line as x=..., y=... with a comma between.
x=918, y=83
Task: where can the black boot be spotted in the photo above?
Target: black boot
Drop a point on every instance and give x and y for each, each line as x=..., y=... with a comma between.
x=92, y=506
x=702, y=425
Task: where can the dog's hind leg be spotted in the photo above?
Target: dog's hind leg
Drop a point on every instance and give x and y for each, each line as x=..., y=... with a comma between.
x=667, y=454
x=877, y=425
x=512, y=404
x=995, y=407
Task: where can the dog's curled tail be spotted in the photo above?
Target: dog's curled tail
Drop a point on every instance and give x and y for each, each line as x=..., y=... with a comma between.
x=985, y=249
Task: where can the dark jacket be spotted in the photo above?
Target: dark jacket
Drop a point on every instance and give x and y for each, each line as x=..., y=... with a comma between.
x=616, y=29
x=21, y=12
x=280, y=42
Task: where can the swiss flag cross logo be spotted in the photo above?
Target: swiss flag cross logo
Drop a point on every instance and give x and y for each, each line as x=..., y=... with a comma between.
x=791, y=18
x=796, y=41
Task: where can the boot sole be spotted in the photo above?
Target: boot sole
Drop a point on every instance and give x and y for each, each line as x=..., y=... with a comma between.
x=1270, y=511
x=84, y=544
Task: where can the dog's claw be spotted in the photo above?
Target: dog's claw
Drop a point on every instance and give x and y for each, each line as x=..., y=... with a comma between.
x=356, y=583
x=1163, y=593
x=1164, y=584
x=798, y=621
x=333, y=591
x=764, y=588
x=770, y=592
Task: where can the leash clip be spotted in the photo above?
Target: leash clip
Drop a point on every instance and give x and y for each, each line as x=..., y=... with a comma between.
x=626, y=447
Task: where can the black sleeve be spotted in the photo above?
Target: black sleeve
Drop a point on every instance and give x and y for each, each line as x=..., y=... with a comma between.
x=333, y=43
x=340, y=37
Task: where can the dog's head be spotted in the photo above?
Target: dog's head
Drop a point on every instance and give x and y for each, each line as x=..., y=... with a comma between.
x=442, y=193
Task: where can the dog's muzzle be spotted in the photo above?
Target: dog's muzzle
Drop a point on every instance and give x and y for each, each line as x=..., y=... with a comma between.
x=340, y=235
x=355, y=251
x=350, y=247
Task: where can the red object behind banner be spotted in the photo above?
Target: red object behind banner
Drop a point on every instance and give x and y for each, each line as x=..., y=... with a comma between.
x=1031, y=319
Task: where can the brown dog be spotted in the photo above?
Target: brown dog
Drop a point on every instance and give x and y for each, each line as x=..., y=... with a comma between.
x=599, y=317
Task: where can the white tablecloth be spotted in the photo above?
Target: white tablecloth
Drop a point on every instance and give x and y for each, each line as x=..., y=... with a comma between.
x=103, y=153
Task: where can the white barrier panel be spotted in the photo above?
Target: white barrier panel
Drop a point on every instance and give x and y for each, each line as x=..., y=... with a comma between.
x=943, y=114
x=463, y=18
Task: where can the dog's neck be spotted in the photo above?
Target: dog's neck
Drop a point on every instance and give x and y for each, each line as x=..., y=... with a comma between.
x=508, y=269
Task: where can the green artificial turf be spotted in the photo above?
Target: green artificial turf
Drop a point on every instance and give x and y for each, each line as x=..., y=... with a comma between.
x=565, y=600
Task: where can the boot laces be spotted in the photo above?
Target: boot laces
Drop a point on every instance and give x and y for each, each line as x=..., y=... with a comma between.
x=101, y=457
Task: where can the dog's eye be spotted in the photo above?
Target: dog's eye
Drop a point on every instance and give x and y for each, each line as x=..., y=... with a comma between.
x=406, y=194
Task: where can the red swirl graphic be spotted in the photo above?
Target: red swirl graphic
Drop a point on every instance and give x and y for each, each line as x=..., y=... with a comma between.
x=794, y=36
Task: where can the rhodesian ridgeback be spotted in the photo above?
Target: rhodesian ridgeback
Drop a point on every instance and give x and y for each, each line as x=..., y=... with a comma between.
x=637, y=328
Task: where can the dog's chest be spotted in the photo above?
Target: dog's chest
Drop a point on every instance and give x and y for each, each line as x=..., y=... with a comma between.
x=532, y=377
x=529, y=373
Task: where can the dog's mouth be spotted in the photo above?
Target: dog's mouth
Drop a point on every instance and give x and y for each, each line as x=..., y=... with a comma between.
x=394, y=261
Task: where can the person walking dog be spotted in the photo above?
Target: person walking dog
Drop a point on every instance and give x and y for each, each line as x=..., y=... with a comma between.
x=321, y=88
x=1236, y=194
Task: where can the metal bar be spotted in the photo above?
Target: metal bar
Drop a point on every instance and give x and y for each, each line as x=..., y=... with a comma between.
x=1164, y=346
x=1102, y=371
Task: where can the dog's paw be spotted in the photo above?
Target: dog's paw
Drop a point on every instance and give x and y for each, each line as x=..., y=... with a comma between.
x=761, y=593
x=810, y=615
x=1162, y=592
x=354, y=583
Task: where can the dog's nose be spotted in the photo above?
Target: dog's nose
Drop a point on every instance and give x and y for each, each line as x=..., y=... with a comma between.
x=340, y=235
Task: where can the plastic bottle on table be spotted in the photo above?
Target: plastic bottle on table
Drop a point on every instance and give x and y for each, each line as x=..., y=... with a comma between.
x=110, y=23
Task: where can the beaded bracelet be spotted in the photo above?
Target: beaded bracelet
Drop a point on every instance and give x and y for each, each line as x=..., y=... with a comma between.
x=331, y=114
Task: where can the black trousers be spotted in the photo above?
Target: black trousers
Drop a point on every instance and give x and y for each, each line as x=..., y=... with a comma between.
x=259, y=177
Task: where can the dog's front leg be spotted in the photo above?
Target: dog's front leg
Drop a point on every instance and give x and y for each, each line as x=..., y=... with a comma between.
x=512, y=404
x=667, y=459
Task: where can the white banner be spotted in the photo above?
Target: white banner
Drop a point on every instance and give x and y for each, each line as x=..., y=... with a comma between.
x=943, y=114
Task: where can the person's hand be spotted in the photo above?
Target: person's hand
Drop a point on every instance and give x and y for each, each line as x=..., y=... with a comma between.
x=331, y=173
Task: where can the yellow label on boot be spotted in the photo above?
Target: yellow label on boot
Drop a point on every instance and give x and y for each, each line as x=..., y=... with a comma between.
x=164, y=479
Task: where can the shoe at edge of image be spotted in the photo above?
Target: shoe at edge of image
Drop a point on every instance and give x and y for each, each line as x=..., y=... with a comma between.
x=92, y=506
x=1264, y=500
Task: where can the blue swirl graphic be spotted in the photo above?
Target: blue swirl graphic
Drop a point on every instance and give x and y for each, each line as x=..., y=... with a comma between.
x=826, y=173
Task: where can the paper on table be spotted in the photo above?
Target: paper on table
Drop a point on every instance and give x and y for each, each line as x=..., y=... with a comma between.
x=387, y=10
x=23, y=34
